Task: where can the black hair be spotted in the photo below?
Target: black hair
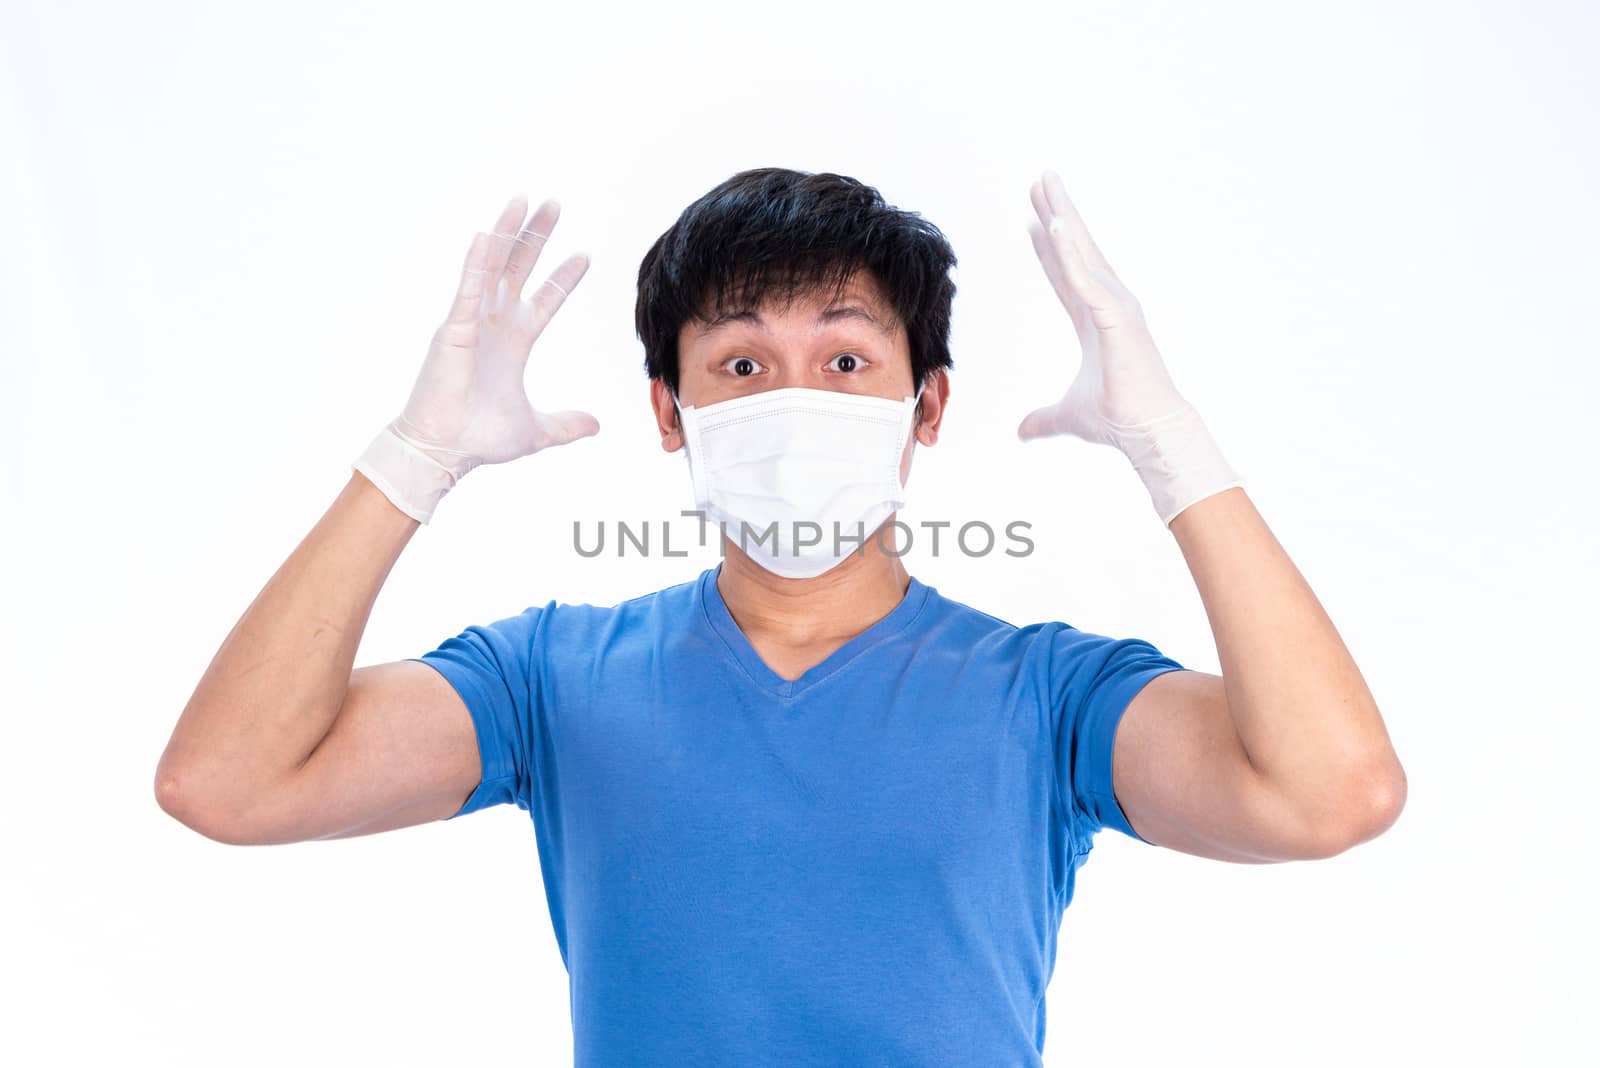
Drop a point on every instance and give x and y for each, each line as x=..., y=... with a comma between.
x=772, y=234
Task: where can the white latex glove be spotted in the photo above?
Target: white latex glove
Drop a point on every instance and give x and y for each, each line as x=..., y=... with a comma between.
x=1123, y=395
x=468, y=406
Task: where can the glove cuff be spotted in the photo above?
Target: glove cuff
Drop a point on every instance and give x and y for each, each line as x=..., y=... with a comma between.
x=1177, y=459
x=413, y=481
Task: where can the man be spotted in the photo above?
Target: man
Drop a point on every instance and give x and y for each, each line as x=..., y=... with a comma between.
x=801, y=809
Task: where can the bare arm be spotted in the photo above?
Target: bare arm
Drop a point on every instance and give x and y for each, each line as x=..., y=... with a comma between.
x=280, y=742
x=1285, y=755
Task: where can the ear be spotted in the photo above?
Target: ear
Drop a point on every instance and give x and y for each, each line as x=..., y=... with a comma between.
x=666, y=415
x=930, y=407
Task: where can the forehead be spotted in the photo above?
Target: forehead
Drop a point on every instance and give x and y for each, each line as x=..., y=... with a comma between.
x=859, y=303
x=862, y=289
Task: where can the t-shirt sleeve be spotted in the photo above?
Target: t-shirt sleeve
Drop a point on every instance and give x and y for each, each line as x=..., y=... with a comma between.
x=491, y=667
x=1093, y=677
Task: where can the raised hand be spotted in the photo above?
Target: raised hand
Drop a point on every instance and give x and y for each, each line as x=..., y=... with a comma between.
x=1122, y=381
x=1122, y=395
x=468, y=406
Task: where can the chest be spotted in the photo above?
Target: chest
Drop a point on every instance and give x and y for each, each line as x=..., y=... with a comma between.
x=852, y=786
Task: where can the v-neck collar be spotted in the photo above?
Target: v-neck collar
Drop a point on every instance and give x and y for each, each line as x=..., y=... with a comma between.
x=744, y=654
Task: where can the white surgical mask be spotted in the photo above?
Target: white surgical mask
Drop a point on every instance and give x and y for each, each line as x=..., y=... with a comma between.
x=780, y=472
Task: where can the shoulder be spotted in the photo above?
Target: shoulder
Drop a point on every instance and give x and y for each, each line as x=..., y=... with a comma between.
x=986, y=633
x=591, y=625
x=678, y=597
x=1051, y=640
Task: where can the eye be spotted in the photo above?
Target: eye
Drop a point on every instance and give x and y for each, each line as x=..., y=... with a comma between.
x=742, y=366
x=846, y=361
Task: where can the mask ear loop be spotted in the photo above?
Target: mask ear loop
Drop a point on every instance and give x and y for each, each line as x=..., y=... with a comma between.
x=677, y=406
x=910, y=434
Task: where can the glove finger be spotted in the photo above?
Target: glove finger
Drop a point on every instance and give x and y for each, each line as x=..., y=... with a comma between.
x=567, y=425
x=527, y=245
x=1061, y=206
x=500, y=241
x=542, y=305
x=1041, y=203
x=469, y=291
x=1040, y=423
x=1050, y=259
x=1086, y=289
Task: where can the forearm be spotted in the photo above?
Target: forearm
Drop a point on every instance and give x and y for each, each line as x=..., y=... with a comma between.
x=1303, y=712
x=275, y=686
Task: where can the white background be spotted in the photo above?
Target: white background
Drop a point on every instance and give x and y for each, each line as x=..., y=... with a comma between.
x=1364, y=235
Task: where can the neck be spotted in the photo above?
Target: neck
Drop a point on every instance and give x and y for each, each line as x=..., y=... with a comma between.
x=814, y=612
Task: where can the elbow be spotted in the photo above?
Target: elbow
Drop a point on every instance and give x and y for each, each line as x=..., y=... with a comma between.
x=1372, y=803
x=169, y=791
x=177, y=800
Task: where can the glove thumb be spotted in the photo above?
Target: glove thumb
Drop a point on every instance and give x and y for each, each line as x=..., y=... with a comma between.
x=1040, y=423
x=567, y=425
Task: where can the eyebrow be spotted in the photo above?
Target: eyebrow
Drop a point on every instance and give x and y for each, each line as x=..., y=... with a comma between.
x=828, y=315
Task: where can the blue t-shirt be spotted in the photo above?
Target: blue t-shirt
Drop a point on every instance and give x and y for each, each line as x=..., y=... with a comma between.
x=866, y=865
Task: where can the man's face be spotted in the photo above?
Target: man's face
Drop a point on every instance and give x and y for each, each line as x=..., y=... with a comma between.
x=852, y=345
